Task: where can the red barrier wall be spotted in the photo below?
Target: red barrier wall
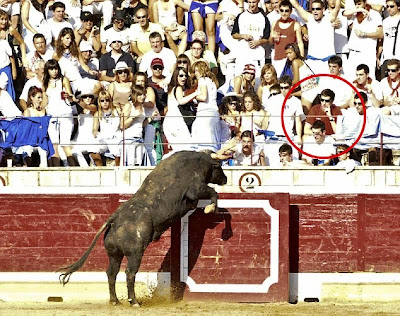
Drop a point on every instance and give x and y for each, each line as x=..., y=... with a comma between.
x=328, y=233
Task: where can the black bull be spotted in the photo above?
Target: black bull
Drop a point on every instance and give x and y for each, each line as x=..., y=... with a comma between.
x=167, y=194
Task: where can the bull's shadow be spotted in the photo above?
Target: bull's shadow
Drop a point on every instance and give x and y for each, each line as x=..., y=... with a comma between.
x=199, y=223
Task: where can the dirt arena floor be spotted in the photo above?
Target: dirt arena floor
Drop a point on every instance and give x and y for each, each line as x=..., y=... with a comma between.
x=198, y=308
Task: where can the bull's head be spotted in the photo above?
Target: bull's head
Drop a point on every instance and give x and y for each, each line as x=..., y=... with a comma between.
x=217, y=174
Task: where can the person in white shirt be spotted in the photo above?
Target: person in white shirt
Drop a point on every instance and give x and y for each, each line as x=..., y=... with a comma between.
x=344, y=159
x=41, y=52
x=36, y=81
x=116, y=28
x=321, y=42
x=58, y=22
x=158, y=51
x=318, y=145
x=390, y=87
x=7, y=105
x=105, y=7
x=252, y=28
x=389, y=47
x=366, y=30
x=293, y=116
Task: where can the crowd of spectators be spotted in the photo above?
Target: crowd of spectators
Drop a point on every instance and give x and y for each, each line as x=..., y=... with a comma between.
x=134, y=80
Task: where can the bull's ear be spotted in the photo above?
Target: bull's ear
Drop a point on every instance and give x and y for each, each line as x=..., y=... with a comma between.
x=216, y=164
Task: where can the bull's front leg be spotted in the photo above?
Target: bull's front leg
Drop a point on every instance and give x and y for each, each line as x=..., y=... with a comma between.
x=203, y=191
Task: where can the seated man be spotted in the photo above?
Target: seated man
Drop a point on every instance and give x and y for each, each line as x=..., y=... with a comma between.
x=139, y=34
x=368, y=85
x=326, y=112
x=286, y=157
x=117, y=27
x=344, y=159
x=160, y=52
x=110, y=59
x=319, y=144
x=246, y=152
x=390, y=87
x=40, y=52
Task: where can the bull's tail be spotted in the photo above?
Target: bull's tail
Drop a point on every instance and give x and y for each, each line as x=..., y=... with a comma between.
x=68, y=270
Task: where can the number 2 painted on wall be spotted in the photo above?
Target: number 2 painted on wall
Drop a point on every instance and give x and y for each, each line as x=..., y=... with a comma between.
x=248, y=181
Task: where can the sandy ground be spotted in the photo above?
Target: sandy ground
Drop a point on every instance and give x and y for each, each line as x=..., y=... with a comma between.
x=198, y=308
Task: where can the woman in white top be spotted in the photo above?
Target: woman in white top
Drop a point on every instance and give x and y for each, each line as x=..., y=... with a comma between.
x=268, y=79
x=84, y=141
x=206, y=128
x=34, y=108
x=106, y=129
x=164, y=13
x=175, y=129
x=57, y=97
x=132, y=123
x=33, y=17
x=152, y=131
x=253, y=117
x=69, y=57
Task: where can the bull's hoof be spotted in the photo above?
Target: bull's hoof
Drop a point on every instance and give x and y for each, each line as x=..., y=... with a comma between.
x=210, y=208
x=115, y=303
x=133, y=303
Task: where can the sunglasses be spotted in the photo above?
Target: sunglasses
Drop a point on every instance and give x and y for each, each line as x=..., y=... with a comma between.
x=120, y=72
x=87, y=96
x=391, y=6
x=284, y=87
x=325, y=100
x=104, y=100
x=340, y=151
x=182, y=62
x=113, y=42
x=392, y=70
x=316, y=9
x=158, y=67
x=274, y=93
x=118, y=21
x=233, y=103
x=357, y=103
x=284, y=11
x=141, y=17
x=182, y=76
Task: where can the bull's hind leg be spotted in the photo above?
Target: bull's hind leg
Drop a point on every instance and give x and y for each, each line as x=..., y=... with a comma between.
x=112, y=271
x=132, y=268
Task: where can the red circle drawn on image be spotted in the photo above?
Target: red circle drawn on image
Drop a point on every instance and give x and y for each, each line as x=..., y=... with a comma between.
x=283, y=111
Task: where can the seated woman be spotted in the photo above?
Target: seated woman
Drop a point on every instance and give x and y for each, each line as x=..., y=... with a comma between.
x=230, y=117
x=268, y=79
x=84, y=142
x=106, y=129
x=120, y=90
x=244, y=82
x=34, y=108
x=253, y=117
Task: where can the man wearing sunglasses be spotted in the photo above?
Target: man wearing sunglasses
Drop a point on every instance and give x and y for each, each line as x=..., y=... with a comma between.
x=139, y=34
x=116, y=28
x=366, y=30
x=326, y=111
x=390, y=46
x=321, y=42
x=110, y=59
x=390, y=86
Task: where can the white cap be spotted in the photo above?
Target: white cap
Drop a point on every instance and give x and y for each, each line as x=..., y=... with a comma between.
x=85, y=46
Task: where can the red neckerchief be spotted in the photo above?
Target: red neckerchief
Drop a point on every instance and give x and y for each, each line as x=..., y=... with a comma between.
x=360, y=15
x=395, y=91
x=289, y=20
x=362, y=87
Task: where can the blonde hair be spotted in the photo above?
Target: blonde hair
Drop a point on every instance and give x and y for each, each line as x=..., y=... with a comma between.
x=104, y=95
x=204, y=71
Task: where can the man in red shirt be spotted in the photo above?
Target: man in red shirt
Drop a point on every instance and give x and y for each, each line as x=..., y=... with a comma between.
x=326, y=112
